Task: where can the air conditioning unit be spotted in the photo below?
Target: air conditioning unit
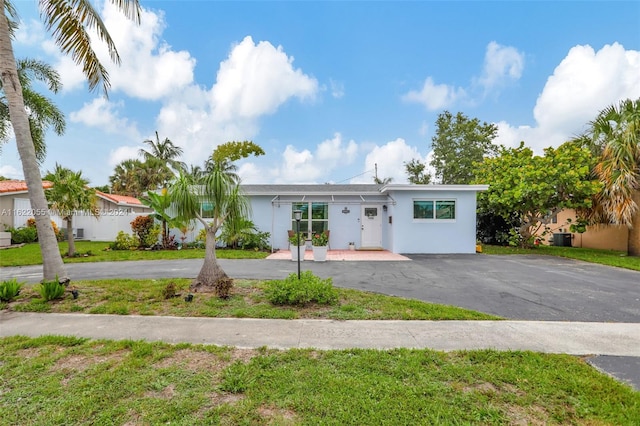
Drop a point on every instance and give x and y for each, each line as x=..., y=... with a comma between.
x=78, y=233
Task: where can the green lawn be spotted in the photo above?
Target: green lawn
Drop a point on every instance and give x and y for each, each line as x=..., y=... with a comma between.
x=603, y=257
x=145, y=297
x=64, y=380
x=96, y=251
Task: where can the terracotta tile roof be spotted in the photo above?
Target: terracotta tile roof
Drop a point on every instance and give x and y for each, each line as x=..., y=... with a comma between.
x=120, y=199
x=19, y=185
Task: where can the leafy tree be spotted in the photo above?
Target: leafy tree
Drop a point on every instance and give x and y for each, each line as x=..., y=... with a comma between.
x=134, y=177
x=533, y=189
x=69, y=23
x=42, y=112
x=458, y=144
x=415, y=170
x=615, y=138
x=68, y=195
x=220, y=190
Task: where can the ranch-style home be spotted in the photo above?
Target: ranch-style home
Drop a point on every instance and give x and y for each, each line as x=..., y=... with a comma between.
x=401, y=218
x=116, y=212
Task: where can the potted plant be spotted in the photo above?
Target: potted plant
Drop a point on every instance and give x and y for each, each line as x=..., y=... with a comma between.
x=352, y=246
x=319, y=243
x=293, y=246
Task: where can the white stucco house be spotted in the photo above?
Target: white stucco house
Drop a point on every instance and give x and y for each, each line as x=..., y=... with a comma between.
x=116, y=212
x=401, y=218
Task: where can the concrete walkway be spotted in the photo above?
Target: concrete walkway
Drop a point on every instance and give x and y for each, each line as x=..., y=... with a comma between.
x=575, y=338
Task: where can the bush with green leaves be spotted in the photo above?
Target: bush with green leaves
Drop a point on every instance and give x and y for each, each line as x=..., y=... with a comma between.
x=9, y=289
x=124, y=241
x=308, y=289
x=147, y=231
x=51, y=290
x=23, y=235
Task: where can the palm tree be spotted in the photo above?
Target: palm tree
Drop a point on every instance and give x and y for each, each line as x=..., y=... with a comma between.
x=134, y=177
x=219, y=189
x=68, y=195
x=163, y=150
x=616, y=134
x=70, y=23
x=43, y=113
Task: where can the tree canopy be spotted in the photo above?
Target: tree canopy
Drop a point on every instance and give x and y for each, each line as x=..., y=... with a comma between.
x=535, y=188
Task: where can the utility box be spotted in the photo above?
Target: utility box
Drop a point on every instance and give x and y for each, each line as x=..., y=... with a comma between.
x=5, y=239
x=562, y=239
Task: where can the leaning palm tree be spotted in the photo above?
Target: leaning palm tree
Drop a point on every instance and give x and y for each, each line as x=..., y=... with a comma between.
x=165, y=151
x=219, y=189
x=615, y=135
x=70, y=22
x=43, y=113
x=69, y=195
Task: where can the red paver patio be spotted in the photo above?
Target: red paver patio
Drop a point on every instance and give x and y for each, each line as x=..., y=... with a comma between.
x=344, y=255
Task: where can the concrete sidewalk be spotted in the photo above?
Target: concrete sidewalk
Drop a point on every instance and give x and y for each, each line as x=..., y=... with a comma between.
x=575, y=338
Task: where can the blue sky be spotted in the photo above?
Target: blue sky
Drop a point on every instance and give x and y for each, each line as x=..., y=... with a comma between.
x=330, y=88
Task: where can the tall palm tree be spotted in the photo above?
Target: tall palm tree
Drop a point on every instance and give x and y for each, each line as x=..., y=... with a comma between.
x=43, y=113
x=68, y=195
x=70, y=23
x=164, y=150
x=616, y=132
x=220, y=189
x=134, y=177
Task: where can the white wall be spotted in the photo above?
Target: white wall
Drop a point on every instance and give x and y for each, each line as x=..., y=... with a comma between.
x=409, y=236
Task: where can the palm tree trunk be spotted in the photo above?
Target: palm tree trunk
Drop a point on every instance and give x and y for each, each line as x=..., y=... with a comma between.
x=212, y=277
x=72, y=243
x=633, y=244
x=52, y=264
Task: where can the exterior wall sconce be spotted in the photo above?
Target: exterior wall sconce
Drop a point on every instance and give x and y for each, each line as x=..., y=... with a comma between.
x=384, y=208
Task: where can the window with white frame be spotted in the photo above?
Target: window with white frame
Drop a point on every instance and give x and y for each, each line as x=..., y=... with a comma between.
x=315, y=217
x=433, y=209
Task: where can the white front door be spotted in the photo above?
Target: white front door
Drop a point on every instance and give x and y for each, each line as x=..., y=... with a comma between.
x=371, y=226
x=22, y=212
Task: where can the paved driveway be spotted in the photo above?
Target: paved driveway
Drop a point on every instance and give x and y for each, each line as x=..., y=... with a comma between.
x=515, y=287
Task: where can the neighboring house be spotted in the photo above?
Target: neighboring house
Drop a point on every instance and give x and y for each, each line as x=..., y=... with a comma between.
x=401, y=218
x=606, y=237
x=116, y=212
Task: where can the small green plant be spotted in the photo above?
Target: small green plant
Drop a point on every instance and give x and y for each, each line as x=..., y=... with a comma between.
x=9, y=289
x=236, y=378
x=308, y=289
x=124, y=241
x=23, y=235
x=320, y=239
x=51, y=290
x=293, y=239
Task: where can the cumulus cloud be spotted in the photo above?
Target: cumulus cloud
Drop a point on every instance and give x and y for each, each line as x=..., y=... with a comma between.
x=435, y=96
x=337, y=88
x=501, y=64
x=122, y=153
x=104, y=114
x=11, y=172
x=584, y=83
x=390, y=159
x=256, y=79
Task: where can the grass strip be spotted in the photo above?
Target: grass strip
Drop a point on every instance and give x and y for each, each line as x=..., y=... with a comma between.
x=62, y=380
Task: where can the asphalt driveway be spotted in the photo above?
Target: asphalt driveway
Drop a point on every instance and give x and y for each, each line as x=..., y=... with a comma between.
x=516, y=287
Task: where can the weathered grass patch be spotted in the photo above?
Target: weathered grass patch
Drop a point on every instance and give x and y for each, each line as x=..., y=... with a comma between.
x=59, y=380
x=247, y=300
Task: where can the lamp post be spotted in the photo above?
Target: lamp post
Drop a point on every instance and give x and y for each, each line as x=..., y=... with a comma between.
x=297, y=215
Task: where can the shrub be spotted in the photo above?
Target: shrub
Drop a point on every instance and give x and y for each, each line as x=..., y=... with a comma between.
x=309, y=289
x=9, y=289
x=293, y=239
x=31, y=223
x=124, y=241
x=51, y=290
x=145, y=228
x=169, y=291
x=23, y=235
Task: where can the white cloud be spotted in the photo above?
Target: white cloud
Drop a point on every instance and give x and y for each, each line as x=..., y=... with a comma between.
x=390, y=159
x=256, y=79
x=584, y=83
x=11, y=172
x=435, y=96
x=30, y=33
x=501, y=64
x=104, y=114
x=337, y=88
x=123, y=153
